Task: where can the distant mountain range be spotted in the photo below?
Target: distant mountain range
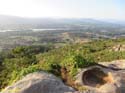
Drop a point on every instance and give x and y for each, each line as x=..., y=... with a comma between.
x=4, y=19
x=121, y=22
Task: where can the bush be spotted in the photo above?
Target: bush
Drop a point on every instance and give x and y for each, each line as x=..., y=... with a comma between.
x=23, y=60
x=18, y=74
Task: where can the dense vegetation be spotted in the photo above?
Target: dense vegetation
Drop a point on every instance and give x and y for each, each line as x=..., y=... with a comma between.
x=18, y=62
x=64, y=62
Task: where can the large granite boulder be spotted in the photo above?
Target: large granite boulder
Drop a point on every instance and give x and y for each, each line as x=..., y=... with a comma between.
x=39, y=82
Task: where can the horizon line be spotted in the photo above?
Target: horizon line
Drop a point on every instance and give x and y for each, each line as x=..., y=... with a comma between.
x=58, y=17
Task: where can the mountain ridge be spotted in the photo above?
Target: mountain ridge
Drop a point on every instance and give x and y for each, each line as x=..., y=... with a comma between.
x=6, y=19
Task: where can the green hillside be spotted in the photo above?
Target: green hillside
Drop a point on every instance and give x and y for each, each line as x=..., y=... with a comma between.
x=64, y=62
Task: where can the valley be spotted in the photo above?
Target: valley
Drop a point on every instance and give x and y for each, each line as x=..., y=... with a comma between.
x=57, y=32
x=62, y=47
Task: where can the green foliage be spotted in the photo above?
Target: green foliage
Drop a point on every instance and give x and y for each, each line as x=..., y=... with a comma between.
x=23, y=60
x=80, y=55
x=75, y=61
x=16, y=63
x=18, y=74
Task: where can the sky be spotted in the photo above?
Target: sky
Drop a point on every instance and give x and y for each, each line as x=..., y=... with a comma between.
x=101, y=9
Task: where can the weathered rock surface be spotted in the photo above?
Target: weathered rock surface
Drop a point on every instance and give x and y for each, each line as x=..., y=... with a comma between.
x=106, y=77
x=39, y=82
x=119, y=47
x=117, y=64
x=103, y=78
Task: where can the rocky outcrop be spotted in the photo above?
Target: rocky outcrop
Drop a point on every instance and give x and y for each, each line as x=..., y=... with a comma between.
x=39, y=82
x=118, y=48
x=115, y=65
x=103, y=78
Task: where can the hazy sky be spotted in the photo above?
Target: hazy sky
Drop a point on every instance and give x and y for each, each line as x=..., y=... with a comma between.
x=109, y=9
